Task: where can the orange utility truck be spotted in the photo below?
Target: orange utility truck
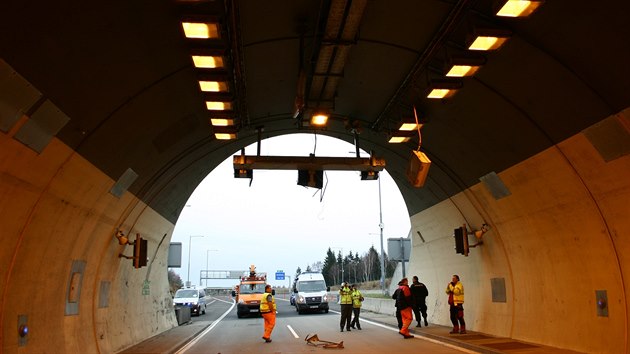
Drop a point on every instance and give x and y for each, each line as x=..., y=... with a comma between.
x=249, y=291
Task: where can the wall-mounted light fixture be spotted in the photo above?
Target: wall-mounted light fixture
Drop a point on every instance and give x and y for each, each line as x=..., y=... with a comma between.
x=517, y=8
x=122, y=239
x=140, y=248
x=479, y=234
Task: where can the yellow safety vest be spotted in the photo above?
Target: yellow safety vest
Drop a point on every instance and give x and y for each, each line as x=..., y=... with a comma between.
x=356, y=298
x=346, y=296
x=264, y=304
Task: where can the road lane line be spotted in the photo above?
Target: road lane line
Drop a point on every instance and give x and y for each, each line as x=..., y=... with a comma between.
x=217, y=299
x=416, y=336
x=292, y=331
x=206, y=331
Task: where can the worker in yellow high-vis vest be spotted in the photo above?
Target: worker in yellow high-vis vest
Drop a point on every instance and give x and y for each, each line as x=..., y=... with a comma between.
x=345, y=297
x=268, y=312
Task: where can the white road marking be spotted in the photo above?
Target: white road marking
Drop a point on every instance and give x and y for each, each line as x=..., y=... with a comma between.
x=416, y=336
x=292, y=331
x=217, y=299
x=206, y=331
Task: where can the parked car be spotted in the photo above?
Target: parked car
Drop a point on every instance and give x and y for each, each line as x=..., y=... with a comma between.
x=193, y=298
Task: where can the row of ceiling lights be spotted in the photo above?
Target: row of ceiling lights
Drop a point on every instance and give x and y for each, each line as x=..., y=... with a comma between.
x=468, y=64
x=214, y=80
x=208, y=57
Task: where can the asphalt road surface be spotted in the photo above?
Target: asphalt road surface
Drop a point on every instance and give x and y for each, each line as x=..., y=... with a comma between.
x=229, y=334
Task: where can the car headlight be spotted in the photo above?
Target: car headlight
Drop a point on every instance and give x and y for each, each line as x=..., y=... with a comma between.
x=241, y=301
x=325, y=298
x=300, y=299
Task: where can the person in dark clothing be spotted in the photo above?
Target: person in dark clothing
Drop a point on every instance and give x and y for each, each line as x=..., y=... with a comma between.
x=419, y=292
x=395, y=297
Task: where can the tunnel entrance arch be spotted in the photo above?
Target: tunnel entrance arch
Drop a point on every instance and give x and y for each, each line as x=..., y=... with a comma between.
x=238, y=219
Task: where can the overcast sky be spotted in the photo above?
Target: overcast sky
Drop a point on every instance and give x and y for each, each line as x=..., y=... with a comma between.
x=276, y=224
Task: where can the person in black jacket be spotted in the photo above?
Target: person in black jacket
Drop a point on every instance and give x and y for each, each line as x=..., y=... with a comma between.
x=420, y=293
x=395, y=297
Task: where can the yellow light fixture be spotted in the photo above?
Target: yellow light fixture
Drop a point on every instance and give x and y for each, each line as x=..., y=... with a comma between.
x=225, y=136
x=487, y=43
x=518, y=8
x=444, y=88
x=221, y=122
x=208, y=61
x=463, y=66
x=224, y=133
x=319, y=119
x=409, y=124
x=488, y=39
x=406, y=126
x=213, y=86
x=398, y=139
x=201, y=30
x=218, y=106
x=400, y=136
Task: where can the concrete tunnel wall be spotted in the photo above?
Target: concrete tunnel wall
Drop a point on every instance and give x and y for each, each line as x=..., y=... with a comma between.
x=560, y=235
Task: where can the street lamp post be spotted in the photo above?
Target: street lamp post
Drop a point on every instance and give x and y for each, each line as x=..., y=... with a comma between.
x=189, y=243
x=381, y=226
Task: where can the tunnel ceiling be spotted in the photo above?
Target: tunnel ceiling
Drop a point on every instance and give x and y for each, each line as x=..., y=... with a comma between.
x=122, y=73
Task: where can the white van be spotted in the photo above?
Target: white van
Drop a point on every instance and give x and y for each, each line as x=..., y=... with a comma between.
x=193, y=298
x=311, y=292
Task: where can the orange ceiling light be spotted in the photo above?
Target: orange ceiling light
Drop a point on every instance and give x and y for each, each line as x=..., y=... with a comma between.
x=444, y=88
x=208, y=61
x=218, y=105
x=224, y=133
x=464, y=66
x=401, y=136
x=488, y=39
x=518, y=8
x=394, y=139
x=319, y=119
x=222, y=122
x=201, y=30
x=213, y=86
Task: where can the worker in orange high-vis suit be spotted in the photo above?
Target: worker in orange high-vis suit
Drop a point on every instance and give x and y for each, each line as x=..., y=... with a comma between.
x=268, y=312
x=404, y=302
